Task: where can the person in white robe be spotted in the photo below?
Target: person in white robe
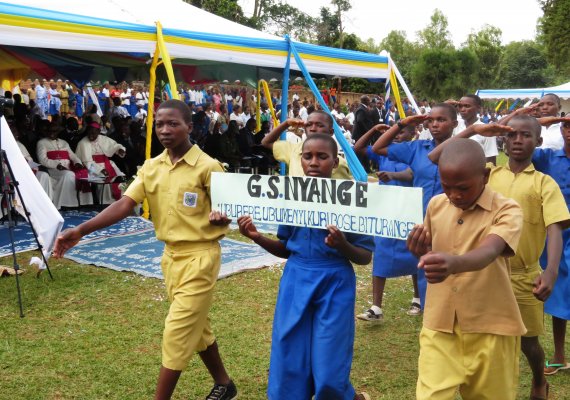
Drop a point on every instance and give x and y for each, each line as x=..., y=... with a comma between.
x=65, y=169
x=95, y=151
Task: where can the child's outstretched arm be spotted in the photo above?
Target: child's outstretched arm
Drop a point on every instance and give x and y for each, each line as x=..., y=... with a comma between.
x=362, y=143
x=547, y=121
x=438, y=266
x=520, y=111
x=406, y=175
x=381, y=145
x=248, y=229
x=337, y=240
x=274, y=135
x=545, y=282
x=120, y=209
x=487, y=130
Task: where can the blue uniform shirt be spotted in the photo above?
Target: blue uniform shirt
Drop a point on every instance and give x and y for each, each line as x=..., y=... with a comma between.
x=556, y=164
x=309, y=243
x=426, y=173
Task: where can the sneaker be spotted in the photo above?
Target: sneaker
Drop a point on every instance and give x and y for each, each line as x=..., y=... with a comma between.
x=223, y=392
x=415, y=309
x=371, y=316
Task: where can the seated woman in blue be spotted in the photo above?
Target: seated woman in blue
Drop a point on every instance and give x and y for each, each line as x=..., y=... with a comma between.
x=313, y=326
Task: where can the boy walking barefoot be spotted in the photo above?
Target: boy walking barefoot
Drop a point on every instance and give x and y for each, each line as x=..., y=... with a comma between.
x=177, y=187
x=313, y=326
x=470, y=337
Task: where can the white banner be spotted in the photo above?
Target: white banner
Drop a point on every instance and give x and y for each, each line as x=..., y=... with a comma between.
x=43, y=215
x=358, y=207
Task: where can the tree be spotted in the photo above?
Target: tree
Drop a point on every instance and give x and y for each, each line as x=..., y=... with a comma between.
x=524, y=65
x=443, y=73
x=403, y=52
x=341, y=6
x=486, y=44
x=436, y=35
x=554, y=28
x=228, y=9
x=327, y=28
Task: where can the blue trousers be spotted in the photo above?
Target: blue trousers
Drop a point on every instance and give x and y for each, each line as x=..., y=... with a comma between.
x=313, y=332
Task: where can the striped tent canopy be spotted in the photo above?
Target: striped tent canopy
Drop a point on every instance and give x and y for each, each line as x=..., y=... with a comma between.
x=64, y=35
x=562, y=91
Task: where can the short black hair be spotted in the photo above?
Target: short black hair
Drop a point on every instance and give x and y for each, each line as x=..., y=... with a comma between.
x=475, y=98
x=326, y=114
x=326, y=138
x=449, y=108
x=536, y=128
x=180, y=106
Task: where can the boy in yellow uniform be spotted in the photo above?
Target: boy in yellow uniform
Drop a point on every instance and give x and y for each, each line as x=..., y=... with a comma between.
x=470, y=336
x=545, y=214
x=177, y=186
x=290, y=153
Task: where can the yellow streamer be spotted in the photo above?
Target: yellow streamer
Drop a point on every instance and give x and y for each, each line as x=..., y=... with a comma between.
x=396, y=91
x=166, y=59
x=499, y=105
x=260, y=84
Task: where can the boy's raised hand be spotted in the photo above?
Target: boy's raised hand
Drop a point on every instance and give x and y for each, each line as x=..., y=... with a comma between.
x=419, y=241
x=65, y=241
x=219, y=219
x=526, y=110
x=437, y=266
x=490, y=130
x=414, y=120
x=381, y=127
x=335, y=238
x=295, y=122
x=553, y=120
x=247, y=227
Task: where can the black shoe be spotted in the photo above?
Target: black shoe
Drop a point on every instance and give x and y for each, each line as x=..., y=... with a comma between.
x=223, y=392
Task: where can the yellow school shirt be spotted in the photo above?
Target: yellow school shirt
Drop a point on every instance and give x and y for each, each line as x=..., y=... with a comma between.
x=480, y=301
x=290, y=154
x=542, y=203
x=179, y=196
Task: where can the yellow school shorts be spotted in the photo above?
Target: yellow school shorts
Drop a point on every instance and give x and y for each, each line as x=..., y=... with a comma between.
x=482, y=366
x=532, y=309
x=190, y=274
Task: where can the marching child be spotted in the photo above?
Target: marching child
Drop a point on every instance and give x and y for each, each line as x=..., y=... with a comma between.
x=472, y=325
x=545, y=213
x=177, y=186
x=442, y=120
x=556, y=164
x=391, y=257
x=313, y=326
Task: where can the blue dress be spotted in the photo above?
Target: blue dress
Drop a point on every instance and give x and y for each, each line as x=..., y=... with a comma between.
x=313, y=326
x=556, y=164
x=391, y=256
x=426, y=176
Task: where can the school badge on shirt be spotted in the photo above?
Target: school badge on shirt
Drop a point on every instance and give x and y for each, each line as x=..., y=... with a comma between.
x=190, y=199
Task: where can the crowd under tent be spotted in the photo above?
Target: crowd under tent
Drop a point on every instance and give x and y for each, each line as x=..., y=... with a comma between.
x=82, y=40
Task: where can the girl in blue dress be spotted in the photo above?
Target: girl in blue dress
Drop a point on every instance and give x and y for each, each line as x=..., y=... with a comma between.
x=556, y=163
x=313, y=326
x=391, y=257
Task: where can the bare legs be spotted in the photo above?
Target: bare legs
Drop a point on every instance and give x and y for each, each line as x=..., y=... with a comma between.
x=168, y=378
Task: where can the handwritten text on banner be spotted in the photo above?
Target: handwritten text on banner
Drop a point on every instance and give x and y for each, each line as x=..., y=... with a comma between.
x=371, y=209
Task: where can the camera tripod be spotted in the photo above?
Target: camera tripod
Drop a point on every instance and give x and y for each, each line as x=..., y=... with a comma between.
x=9, y=189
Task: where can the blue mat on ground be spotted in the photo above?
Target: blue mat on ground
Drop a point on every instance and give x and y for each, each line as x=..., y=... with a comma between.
x=131, y=245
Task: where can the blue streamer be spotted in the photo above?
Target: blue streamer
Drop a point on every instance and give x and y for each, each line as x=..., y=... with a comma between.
x=353, y=163
x=512, y=107
x=168, y=91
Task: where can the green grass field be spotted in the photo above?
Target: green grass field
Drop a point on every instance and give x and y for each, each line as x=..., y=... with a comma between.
x=93, y=333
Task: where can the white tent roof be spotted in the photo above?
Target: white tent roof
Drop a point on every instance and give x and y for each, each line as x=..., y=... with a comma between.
x=189, y=32
x=562, y=91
